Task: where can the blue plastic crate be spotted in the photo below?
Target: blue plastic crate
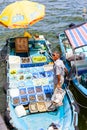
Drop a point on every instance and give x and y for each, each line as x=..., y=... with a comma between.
x=15, y=101
x=30, y=90
x=28, y=76
x=32, y=97
x=32, y=64
x=50, y=79
x=21, y=84
x=29, y=83
x=35, y=75
x=22, y=91
x=40, y=69
x=24, y=99
x=49, y=73
x=46, y=89
x=41, y=97
x=27, y=65
x=26, y=70
x=20, y=71
x=38, y=89
x=51, y=88
x=42, y=74
x=48, y=96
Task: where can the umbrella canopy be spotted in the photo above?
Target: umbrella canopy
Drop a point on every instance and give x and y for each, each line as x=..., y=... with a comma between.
x=20, y=14
x=77, y=35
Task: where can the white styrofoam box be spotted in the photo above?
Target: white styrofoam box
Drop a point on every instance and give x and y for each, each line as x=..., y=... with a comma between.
x=14, y=65
x=14, y=62
x=14, y=92
x=58, y=95
x=48, y=67
x=20, y=111
x=14, y=59
x=13, y=84
x=41, y=37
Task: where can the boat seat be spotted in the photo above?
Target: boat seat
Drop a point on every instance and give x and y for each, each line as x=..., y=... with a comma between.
x=21, y=46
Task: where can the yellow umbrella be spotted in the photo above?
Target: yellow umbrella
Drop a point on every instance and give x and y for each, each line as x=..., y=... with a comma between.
x=20, y=14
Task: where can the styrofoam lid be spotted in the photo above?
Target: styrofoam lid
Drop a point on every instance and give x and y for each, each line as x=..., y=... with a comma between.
x=14, y=92
x=41, y=37
x=48, y=67
x=14, y=59
x=20, y=111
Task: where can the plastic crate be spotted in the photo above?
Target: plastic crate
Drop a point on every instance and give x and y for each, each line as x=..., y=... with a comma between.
x=20, y=71
x=38, y=89
x=32, y=98
x=46, y=89
x=16, y=101
x=32, y=65
x=33, y=107
x=41, y=97
x=35, y=75
x=42, y=74
x=29, y=83
x=50, y=79
x=21, y=83
x=25, y=60
x=22, y=91
x=30, y=90
x=27, y=65
x=48, y=96
x=49, y=73
x=24, y=99
x=51, y=88
x=41, y=106
x=13, y=84
x=28, y=76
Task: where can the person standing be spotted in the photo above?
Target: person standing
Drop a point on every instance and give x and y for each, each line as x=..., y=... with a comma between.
x=59, y=72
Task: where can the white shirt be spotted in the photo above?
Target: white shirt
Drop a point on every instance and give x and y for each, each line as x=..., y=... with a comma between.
x=58, y=68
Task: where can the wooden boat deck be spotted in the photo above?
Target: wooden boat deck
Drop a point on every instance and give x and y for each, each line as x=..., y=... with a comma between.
x=2, y=124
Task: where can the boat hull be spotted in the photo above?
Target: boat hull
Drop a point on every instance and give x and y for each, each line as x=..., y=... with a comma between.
x=64, y=117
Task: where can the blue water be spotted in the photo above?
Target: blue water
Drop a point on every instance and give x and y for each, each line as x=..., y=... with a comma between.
x=59, y=14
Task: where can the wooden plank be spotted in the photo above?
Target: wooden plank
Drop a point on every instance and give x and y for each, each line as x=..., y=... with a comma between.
x=2, y=124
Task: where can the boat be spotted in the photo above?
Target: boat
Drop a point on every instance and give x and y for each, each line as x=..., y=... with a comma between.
x=30, y=87
x=73, y=44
